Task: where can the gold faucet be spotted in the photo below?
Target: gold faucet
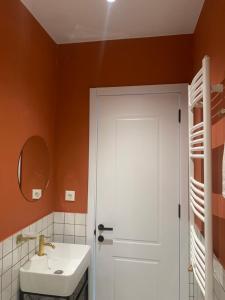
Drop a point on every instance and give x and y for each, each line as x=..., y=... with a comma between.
x=21, y=238
x=42, y=245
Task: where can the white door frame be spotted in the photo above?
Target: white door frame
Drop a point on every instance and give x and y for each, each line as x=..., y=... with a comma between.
x=181, y=90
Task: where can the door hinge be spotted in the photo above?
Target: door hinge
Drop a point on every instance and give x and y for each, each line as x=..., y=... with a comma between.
x=179, y=211
x=95, y=232
x=179, y=115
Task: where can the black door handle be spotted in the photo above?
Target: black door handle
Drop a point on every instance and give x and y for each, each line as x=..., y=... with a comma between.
x=101, y=239
x=101, y=227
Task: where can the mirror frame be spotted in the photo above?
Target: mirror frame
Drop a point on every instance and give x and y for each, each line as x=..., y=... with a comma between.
x=19, y=169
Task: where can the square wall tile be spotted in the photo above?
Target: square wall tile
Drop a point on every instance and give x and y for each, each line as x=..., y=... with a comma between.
x=31, y=245
x=191, y=290
x=6, y=293
x=16, y=255
x=58, y=228
x=50, y=230
x=191, y=277
x=80, y=219
x=44, y=222
x=24, y=260
x=15, y=271
x=24, y=250
x=80, y=230
x=69, y=218
x=6, y=279
x=70, y=239
x=7, y=262
x=50, y=219
x=59, y=217
x=33, y=228
x=58, y=238
x=15, y=287
x=69, y=229
x=7, y=246
x=80, y=240
x=31, y=254
x=39, y=226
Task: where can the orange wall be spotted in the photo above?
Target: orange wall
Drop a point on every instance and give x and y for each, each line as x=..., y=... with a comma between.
x=161, y=60
x=209, y=38
x=28, y=60
x=29, y=88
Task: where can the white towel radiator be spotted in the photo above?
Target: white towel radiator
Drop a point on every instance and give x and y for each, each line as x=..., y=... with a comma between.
x=201, y=251
x=200, y=192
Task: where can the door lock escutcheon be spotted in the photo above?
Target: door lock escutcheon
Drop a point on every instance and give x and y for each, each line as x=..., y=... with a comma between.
x=101, y=239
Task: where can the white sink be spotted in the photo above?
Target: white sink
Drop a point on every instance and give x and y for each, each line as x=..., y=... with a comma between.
x=38, y=274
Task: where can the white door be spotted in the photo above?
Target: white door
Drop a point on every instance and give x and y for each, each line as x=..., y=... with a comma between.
x=138, y=197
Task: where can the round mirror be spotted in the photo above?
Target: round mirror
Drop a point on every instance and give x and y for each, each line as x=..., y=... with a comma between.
x=33, y=168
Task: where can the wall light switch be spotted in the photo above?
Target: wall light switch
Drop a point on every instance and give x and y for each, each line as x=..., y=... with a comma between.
x=70, y=195
x=36, y=194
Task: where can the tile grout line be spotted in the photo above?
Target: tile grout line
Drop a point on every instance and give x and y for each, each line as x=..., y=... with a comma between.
x=18, y=255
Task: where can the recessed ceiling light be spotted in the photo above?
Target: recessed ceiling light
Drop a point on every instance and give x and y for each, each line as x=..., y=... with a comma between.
x=111, y=1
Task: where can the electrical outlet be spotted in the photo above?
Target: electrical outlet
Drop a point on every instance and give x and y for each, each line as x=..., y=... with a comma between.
x=70, y=195
x=36, y=194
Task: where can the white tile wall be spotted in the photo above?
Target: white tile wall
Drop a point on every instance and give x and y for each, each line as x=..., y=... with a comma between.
x=219, y=281
x=13, y=256
x=191, y=286
x=61, y=227
x=69, y=228
x=219, y=292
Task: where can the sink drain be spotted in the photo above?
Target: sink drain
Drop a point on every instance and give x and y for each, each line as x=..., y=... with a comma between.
x=59, y=272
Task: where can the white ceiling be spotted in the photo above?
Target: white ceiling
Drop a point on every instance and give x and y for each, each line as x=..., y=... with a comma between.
x=72, y=21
